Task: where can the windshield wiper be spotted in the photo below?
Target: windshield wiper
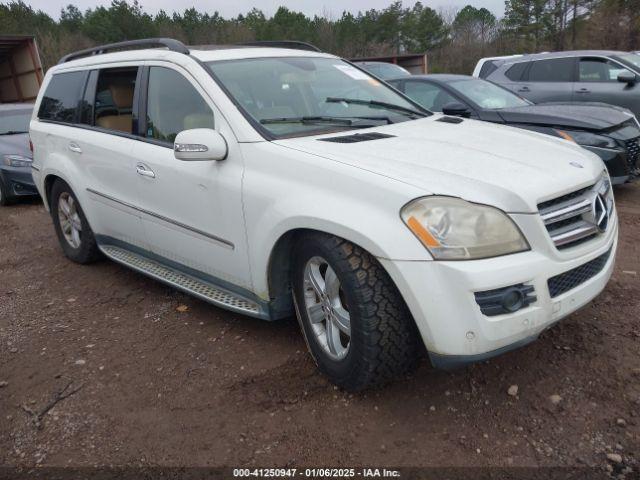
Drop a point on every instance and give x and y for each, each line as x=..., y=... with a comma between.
x=353, y=122
x=376, y=103
x=12, y=132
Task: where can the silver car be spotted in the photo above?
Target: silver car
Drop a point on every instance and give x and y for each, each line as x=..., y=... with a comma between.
x=579, y=76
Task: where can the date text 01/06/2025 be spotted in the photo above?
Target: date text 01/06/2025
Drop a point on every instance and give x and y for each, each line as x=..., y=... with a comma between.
x=315, y=473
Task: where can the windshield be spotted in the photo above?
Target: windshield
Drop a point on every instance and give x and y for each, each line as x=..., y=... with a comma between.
x=385, y=71
x=296, y=96
x=631, y=59
x=14, y=121
x=487, y=95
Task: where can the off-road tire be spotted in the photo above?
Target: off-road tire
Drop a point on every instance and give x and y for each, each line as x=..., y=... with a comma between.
x=384, y=338
x=88, y=251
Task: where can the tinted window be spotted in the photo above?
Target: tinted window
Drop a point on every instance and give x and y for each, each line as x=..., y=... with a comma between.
x=60, y=100
x=429, y=95
x=552, y=70
x=113, y=106
x=174, y=105
x=14, y=121
x=488, y=68
x=599, y=70
x=88, y=100
x=515, y=72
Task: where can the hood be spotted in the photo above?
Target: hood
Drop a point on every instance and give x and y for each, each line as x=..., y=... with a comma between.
x=510, y=168
x=583, y=116
x=15, y=144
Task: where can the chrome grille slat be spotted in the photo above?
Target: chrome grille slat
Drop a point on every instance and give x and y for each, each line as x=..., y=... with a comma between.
x=564, y=212
x=573, y=233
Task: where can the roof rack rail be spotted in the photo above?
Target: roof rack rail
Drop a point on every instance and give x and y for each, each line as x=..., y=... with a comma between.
x=170, y=43
x=295, y=44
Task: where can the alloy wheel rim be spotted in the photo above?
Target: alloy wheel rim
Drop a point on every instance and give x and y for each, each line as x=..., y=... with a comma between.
x=69, y=220
x=326, y=308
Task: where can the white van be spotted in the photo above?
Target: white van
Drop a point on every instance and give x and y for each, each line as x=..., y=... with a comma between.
x=274, y=181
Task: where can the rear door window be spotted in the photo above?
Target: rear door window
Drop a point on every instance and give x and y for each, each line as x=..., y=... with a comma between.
x=62, y=97
x=114, y=101
x=552, y=70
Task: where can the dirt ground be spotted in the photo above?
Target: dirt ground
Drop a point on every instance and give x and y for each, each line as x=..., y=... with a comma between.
x=161, y=385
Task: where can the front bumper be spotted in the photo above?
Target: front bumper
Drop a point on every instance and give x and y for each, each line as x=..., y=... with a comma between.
x=18, y=181
x=440, y=295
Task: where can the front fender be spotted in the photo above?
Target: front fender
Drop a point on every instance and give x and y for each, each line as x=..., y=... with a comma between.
x=292, y=191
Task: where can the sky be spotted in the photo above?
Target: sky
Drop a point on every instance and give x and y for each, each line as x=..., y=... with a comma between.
x=231, y=8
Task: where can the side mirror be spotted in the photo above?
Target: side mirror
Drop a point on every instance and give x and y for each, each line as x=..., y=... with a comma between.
x=628, y=77
x=456, y=110
x=200, y=144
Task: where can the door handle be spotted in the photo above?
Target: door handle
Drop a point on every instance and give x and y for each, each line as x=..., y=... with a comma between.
x=524, y=89
x=74, y=147
x=145, y=171
x=583, y=90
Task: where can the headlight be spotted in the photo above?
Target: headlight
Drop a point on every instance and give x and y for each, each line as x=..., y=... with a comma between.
x=454, y=229
x=17, y=161
x=587, y=139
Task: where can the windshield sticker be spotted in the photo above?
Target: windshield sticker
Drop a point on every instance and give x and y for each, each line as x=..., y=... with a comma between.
x=353, y=72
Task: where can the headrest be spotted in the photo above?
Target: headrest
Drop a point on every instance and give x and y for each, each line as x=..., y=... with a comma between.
x=122, y=95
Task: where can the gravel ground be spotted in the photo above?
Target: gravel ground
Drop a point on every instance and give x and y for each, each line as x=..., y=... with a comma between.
x=168, y=380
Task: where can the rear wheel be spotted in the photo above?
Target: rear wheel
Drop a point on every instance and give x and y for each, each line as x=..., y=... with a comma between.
x=74, y=233
x=355, y=322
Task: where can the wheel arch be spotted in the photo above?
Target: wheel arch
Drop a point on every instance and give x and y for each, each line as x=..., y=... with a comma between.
x=280, y=261
x=49, y=180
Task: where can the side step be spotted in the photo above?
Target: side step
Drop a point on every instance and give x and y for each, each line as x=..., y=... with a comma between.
x=182, y=281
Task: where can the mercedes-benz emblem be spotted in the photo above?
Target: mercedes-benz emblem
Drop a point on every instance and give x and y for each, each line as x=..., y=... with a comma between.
x=600, y=212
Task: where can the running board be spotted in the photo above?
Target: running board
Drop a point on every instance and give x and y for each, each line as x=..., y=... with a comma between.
x=182, y=281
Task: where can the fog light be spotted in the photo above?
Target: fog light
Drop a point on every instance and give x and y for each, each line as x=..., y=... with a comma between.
x=512, y=300
x=505, y=300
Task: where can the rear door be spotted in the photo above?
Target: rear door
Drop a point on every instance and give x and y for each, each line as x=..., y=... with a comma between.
x=598, y=82
x=103, y=150
x=548, y=80
x=95, y=161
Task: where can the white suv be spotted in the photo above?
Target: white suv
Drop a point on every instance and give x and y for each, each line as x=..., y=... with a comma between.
x=271, y=181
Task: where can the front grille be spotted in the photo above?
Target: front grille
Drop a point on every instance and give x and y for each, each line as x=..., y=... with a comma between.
x=579, y=216
x=633, y=154
x=563, y=198
x=569, y=280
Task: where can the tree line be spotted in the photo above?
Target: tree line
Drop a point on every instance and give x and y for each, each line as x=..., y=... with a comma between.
x=454, y=38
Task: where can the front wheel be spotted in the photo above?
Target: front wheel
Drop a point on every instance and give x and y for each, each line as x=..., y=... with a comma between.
x=357, y=327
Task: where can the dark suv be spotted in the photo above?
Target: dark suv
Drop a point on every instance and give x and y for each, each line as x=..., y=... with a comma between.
x=580, y=76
